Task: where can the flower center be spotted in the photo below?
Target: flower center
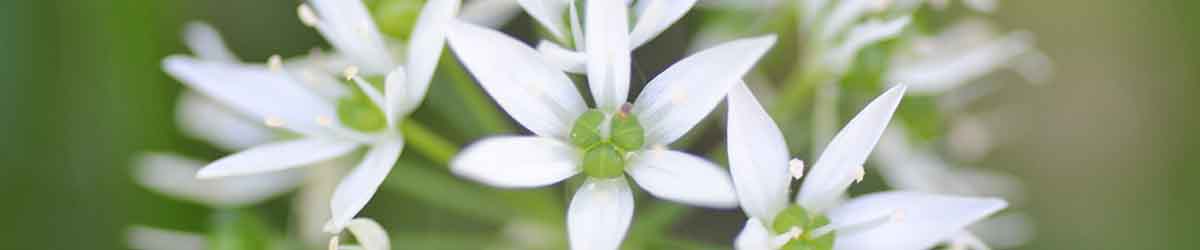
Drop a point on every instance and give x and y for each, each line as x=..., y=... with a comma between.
x=606, y=140
x=802, y=230
x=358, y=112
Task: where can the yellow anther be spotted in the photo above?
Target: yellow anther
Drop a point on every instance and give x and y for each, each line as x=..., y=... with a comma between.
x=275, y=63
x=273, y=122
x=307, y=16
x=796, y=167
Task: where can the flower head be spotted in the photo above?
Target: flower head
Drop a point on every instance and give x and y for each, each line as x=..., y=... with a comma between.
x=819, y=219
x=605, y=142
x=368, y=115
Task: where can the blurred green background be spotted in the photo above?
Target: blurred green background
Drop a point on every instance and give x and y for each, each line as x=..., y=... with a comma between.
x=1107, y=149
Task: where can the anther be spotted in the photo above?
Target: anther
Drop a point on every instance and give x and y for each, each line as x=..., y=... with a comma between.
x=859, y=173
x=796, y=167
x=275, y=63
x=350, y=73
x=307, y=16
x=324, y=120
x=333, y=243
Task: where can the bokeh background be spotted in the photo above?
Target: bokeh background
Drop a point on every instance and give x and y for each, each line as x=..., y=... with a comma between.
x=1108, y=149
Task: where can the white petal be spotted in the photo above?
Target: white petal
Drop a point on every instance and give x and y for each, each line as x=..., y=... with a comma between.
x=348, y=27
x=535, y=94
x=148, y=238
x=608, y=52
x=565, y=59
x=657, y=16
x=861, y=36
x=683, y=178
x=682, y=95
x=511, y=162
x=847, y=152
x=357, y=188
x=920, y=220
x=201, y=118
x=425, y=47
x=206, y=43
x=599, y=214
x=841, y=16
x=369, y=234
x=758, y=157
x=950, y=69
x=276, y=156
x=396, y=89
x=754, y=236
x=547, y=12
x=490, y=13
x=175, y=176
x=255, y=91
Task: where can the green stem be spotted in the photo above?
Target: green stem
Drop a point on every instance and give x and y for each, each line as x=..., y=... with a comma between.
x=433, y=146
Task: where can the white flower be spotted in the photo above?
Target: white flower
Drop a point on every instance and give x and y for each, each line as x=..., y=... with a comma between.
x=491, y=13
x=653, y=17
x=600, y=142
x=367, y=118
x=368, y=233
x=897, y=220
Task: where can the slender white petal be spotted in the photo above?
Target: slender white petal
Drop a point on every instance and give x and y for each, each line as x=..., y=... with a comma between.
x=276, y=156
x=599, y=214
x=918, y=220
x=369, y=234
x=862, y=36
x=682, y=95
x=535, y=94
x=846, y=153
x=348, y=27
x=148, y=238
x=946, y=71
x=357, y=188
x=425, y=47
x=175, y=176
x=201, y=118
x=758, y=157
x=657, y=16
x=255, y=91
x=565, y=59
x=206, y=43
x=683, y=178
x=608, y=52
x=547, y=12
x=490, y=13
x=841, y=16
x=510, y=162
x=396, y=90
x=754, y=236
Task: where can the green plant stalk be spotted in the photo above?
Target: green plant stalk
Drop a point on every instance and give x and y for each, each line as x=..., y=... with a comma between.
x=433, y=146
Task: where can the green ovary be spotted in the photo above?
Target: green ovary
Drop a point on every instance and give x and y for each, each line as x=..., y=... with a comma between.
x=605, y=151
x=795, y=216
x=357, y=112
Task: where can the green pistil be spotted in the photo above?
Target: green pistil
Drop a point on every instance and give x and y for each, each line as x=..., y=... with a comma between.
x=604, y=154
x=797, y=217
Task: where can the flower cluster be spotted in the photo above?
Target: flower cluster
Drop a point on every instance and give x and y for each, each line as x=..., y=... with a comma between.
x=347, y=114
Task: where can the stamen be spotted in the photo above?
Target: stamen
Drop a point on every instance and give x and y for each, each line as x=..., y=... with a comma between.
x=275, y=63
x=273, y=122
x=350, y=72
x=307, y=16
x=796, y=167
x=859, y=173
x=783, y=239
x=333, y=243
